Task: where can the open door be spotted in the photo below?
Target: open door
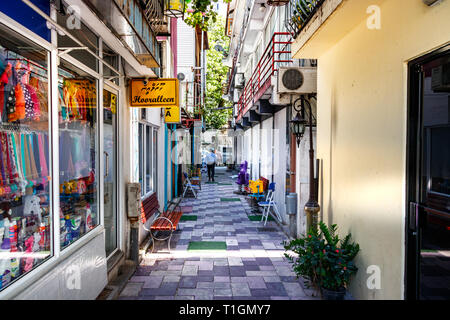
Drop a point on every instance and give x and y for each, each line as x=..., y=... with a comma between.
x=428, y=178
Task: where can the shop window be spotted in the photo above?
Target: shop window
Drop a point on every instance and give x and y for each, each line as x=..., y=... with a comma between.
x=25, y=172
x=147, y=158
x=77, y=155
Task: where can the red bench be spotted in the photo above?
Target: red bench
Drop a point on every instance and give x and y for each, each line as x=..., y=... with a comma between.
x=164, y=225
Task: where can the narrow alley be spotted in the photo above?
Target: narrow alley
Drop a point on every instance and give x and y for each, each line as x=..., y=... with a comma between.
x=252, y=266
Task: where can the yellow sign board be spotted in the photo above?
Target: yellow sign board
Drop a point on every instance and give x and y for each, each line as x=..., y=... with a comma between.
x=172, y=115
x=154, y=93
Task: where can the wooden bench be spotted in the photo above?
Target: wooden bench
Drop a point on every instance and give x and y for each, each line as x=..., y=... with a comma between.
x=164, y=225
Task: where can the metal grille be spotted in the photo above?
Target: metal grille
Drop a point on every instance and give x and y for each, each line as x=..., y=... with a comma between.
x=154, y=13
x=298, y=14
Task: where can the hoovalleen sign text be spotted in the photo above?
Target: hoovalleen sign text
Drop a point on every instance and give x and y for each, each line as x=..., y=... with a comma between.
x=154, y=93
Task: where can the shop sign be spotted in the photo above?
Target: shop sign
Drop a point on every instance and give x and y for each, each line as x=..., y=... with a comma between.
x=154, y=93
x=172, y=114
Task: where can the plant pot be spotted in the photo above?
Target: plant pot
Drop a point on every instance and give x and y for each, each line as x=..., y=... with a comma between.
x=333, y=295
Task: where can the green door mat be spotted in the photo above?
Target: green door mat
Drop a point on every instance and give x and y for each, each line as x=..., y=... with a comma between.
x=258, y=218
x=207, y=245
x=211, y=182
x=225, y=184
x=230, y=199
x=188, y=218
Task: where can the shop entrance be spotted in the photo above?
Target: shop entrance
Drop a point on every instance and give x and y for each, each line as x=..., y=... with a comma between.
x=428, y=178
x=110, y=173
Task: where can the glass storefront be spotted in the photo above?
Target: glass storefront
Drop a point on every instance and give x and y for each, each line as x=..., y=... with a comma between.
x=25, y=172
x=77, y=155
x=110, y=171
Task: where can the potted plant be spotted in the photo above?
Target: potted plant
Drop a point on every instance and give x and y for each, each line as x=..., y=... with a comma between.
x=324, y=260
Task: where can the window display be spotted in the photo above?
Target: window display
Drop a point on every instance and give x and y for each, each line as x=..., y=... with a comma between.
x=77, y=156
x=25, y=219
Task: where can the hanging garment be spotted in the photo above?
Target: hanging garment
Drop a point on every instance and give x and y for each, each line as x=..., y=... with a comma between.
x=12, y=155
x=62, y=104
x=42, y=159
x=34, y=172
x=11, y=104
x=41, y=90
x=2, y=167
x=15, y=138
x=29, y=106
x=4, y=151
x=19, y=112
x=37, y=162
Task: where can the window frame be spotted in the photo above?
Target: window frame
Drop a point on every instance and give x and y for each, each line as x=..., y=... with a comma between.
x=143, y=124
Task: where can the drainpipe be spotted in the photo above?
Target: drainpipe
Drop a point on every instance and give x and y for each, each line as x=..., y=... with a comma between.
x=165, y=166
x=176, y=163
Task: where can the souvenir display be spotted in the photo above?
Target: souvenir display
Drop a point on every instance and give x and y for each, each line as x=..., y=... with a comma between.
x=25, y=222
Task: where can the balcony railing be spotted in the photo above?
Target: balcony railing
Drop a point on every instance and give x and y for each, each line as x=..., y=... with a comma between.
x=298, y=14
x=277, y=53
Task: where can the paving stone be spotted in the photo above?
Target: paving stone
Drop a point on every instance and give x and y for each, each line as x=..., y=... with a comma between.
x=153, y=282
x=205, y=278
x=235, y=261
x=240, y=289
x=238, y=279
x=189, y=270
x=221, y=270
x=166, y=289
x=272, y=279
x=256, y=283
x=132, y=289
x=264, y=261
x=237, y=271
x=276, y=289
x=261, y=273
x=164, y=298
x=195, y=292
x=188, y=282
x=205, y=273
x=279, y=298
x=293, y=289
x=184, y=297
x=171, y=279
x=138, y=279
x=221, y=279
x=223, y=292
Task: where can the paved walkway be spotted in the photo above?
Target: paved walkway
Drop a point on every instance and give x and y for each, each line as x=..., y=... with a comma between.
x=252, y=267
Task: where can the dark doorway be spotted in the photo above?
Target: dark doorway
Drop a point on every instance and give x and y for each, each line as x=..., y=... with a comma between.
x=428, y=178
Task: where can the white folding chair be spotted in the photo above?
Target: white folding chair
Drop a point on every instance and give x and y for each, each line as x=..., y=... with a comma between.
x=189, y=185
x=268, y=204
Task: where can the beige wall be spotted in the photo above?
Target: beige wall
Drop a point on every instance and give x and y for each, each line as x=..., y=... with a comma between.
x=362, y=107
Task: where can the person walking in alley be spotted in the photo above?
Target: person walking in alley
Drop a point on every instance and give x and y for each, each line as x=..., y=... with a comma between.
x=211, y=163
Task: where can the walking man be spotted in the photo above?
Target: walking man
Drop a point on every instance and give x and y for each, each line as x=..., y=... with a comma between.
x=211, y=163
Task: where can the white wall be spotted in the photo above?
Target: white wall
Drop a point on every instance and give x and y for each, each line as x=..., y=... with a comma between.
x=266, y=149
x=280, y=158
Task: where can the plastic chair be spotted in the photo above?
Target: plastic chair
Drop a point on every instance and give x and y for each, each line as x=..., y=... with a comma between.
x=268, y=204
x=189, y=185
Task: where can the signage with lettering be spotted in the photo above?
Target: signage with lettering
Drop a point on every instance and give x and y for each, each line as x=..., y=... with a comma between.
x=154, y=93
x=172, y=115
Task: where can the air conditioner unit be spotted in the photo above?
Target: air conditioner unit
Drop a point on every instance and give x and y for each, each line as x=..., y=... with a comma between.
x=239, y=81
x=297, y=80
